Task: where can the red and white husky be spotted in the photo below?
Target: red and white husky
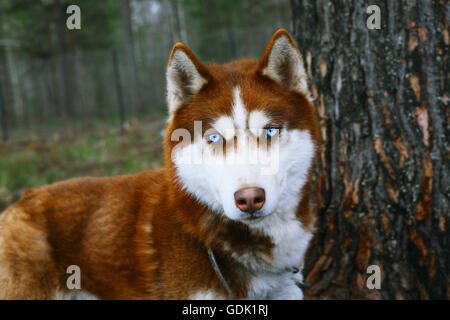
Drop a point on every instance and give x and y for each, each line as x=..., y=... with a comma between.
x=235, y=189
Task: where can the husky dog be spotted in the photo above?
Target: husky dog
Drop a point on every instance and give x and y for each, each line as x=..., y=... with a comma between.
x=228, y=215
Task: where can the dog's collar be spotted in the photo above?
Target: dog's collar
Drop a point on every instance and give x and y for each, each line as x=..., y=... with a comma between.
x=219, y=273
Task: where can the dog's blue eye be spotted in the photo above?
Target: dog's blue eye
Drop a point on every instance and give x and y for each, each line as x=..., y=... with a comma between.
x=214, y=138
x=271, y=132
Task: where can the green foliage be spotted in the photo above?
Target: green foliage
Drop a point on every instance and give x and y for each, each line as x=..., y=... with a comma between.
x=101, y=25
x=219, y=22
x=33, y=25
x=26, y=23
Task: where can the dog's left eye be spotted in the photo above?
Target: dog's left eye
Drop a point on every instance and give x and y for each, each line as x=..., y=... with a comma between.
x=271, y=132
x=214, y=138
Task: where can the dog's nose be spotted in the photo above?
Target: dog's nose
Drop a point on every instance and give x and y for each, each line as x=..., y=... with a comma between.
x=250, y=199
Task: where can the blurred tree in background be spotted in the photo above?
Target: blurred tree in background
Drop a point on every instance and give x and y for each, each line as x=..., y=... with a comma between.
x=233, y=16
x=33, y=25
x=36, y=45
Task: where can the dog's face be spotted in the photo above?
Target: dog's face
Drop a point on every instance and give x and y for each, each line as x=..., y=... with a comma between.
x=242, y=135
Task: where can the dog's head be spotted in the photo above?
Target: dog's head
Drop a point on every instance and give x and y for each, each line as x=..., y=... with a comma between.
x=242, y=135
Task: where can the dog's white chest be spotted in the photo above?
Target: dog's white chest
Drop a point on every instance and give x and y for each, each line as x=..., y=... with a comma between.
x=290, y=240
x=272, y=281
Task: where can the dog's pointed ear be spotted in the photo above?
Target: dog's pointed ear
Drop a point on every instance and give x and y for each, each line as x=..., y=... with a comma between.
x=283, y=63
x=185, y=77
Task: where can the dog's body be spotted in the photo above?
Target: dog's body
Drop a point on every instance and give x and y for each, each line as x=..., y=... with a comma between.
x=146, y=236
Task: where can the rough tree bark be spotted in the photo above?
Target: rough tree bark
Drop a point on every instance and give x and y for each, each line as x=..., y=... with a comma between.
x=382, y=173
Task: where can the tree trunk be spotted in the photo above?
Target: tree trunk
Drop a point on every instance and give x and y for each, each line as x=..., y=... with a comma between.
x=118, y=85
x=66, y=105
x=3, y=115
x=132, y=72
x=382, y=172
x=178, y=32
x=4, y=81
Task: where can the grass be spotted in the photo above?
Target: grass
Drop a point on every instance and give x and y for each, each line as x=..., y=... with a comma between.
x=93, y=149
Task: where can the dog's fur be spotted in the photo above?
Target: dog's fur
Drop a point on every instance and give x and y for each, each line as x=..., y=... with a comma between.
x=145, y=236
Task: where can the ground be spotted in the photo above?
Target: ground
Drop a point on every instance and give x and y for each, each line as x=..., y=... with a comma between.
x=58, y=151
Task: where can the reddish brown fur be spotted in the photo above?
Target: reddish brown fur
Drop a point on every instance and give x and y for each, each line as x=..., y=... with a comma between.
x=141, y=236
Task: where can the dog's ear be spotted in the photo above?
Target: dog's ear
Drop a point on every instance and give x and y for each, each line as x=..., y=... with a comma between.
x=283, y=63
x=185, y=77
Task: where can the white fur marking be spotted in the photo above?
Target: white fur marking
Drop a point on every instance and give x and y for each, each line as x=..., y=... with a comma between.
x=257, y=121
x=225, y=127
x=239, y=110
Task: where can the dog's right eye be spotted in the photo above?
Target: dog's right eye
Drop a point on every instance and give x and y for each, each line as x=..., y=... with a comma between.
x=214, y=138
x=271, y=132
